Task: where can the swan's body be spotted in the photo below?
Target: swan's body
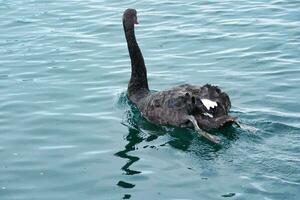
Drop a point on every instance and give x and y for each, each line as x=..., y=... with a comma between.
x=204, y=107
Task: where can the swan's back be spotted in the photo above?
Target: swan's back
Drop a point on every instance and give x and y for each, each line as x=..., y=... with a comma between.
x=171, y=107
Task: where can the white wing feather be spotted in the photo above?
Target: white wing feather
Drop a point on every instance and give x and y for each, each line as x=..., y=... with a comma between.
x=209, y=104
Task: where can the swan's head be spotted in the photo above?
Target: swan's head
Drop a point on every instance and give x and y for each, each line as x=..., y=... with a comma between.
x=130, y=17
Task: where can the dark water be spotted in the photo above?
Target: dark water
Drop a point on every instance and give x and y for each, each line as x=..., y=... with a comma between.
x=67, y=130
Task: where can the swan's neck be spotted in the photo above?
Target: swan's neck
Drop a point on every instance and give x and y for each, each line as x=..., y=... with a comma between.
x=138, y=84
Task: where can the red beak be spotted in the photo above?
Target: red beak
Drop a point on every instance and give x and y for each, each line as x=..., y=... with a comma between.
x=136, y=21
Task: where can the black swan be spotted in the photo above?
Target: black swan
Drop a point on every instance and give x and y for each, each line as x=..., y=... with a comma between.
x=202, y=107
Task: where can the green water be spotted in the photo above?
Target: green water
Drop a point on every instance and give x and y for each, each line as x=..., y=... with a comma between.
x=67, y=130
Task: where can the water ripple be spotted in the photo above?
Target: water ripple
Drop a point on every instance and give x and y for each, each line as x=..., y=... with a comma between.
x=67, y=127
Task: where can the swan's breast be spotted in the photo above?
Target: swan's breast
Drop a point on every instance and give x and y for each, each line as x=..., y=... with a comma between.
x=209, y=104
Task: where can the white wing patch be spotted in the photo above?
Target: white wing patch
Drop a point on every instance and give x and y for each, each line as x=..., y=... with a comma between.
x=209, y=104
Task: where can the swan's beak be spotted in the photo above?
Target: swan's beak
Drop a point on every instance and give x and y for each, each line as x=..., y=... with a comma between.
x=136, y=20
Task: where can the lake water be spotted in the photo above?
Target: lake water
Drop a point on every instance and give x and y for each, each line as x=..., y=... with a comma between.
x=67, y=130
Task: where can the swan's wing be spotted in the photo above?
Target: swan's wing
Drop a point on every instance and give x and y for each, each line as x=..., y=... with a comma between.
x=215, y=94
x=208, y=100
x=172, y=106
x=167, y=107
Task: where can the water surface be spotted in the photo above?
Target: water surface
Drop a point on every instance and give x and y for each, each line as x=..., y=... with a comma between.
x=67, y=130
